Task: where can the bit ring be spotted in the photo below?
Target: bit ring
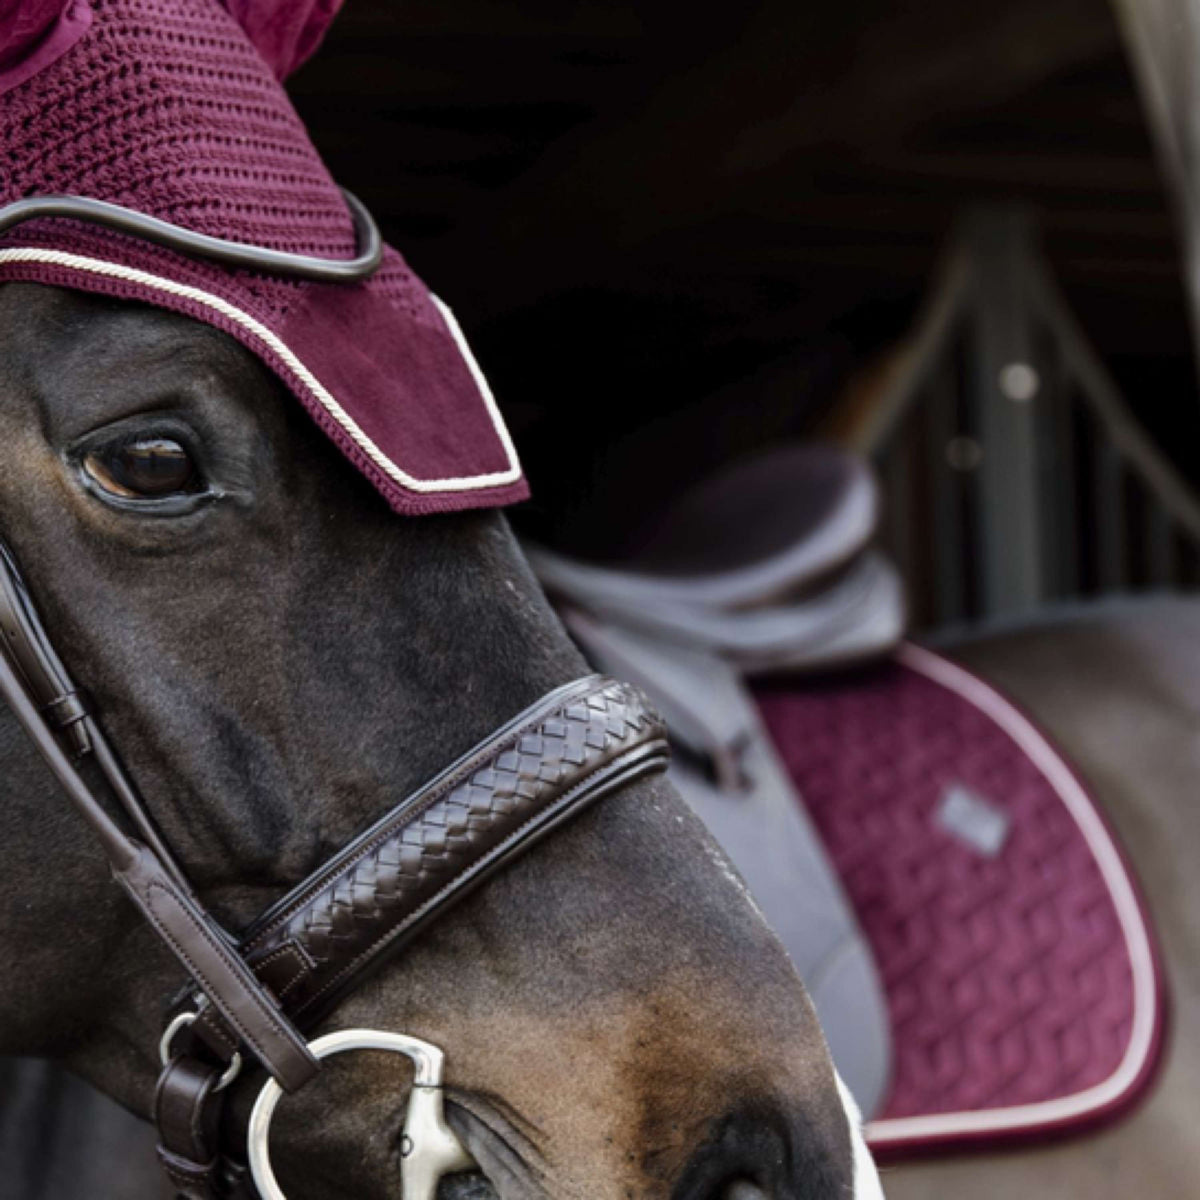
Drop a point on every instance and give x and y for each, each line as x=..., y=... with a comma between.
x=430, y=1148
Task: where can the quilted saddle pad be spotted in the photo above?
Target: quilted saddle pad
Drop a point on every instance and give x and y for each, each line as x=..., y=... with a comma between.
x=1021, y=973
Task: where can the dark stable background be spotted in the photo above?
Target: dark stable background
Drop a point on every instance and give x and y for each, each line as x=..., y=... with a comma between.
x=674, y=232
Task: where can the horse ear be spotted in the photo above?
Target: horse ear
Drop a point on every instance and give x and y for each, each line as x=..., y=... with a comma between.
x=23, y=24
x=284, y=32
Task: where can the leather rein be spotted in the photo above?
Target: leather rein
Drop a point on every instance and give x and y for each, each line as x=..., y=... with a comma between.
x=254, y=996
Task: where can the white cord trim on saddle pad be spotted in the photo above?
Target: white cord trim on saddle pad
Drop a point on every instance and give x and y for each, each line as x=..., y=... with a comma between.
x=261, y=333
x=1063, y=1109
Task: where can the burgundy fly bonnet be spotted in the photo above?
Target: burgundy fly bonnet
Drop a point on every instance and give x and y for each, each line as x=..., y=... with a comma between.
x=173, y=108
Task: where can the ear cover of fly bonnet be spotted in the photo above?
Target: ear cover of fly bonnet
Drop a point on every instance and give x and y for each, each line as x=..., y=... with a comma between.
x=175, y=108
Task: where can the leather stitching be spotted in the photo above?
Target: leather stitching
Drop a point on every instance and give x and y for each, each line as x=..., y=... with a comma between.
x=302, y=963
x=415, y=806
x=576, y=743
x=213, y=1024
x=224, y=955
x=453, y=884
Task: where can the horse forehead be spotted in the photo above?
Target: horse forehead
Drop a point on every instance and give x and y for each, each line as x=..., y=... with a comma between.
x=82, y=358
x=63, y=329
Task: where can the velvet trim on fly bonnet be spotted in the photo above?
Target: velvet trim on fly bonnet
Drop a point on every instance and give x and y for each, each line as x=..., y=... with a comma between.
x=174, y=108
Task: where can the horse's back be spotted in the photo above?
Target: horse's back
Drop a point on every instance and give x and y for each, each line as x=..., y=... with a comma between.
x=1118, y=687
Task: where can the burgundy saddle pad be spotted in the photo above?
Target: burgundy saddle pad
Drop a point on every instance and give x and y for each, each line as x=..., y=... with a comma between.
x=1021, y=973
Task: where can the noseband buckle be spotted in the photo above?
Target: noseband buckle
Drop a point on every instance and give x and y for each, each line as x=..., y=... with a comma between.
x=166, y=1051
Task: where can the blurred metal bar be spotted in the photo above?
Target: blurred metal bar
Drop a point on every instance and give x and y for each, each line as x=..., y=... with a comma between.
x=1108, y=503
x=1100, y=394
x=1004, y=392
x=1058, y=452
x=1163, y=41
x=949, y=463
x=923, y=352
x=1038, y=503
x=1161, y=559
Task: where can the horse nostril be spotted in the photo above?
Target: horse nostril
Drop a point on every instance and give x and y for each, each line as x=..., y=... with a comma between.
x=745, y=1157
x=472, y=1186
x=764, y=1152
x=743, y=1189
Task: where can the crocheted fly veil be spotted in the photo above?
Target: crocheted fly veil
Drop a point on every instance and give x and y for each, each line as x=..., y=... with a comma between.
x=168, y=108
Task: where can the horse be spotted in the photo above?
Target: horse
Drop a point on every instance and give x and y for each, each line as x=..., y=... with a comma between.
x=278, y=659
x=1115, y=684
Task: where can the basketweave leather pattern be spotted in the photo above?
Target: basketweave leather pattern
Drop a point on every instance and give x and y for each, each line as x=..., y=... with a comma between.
x=444, y=839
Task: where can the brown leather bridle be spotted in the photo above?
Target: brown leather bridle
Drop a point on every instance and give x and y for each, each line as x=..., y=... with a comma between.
x=252, y=996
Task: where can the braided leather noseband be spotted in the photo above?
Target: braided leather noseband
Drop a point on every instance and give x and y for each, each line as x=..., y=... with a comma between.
x=255, y=995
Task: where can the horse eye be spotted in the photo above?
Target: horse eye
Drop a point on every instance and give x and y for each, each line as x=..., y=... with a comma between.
x=148, y=468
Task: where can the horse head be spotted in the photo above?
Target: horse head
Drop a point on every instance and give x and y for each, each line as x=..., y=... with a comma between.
x=279, y=659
